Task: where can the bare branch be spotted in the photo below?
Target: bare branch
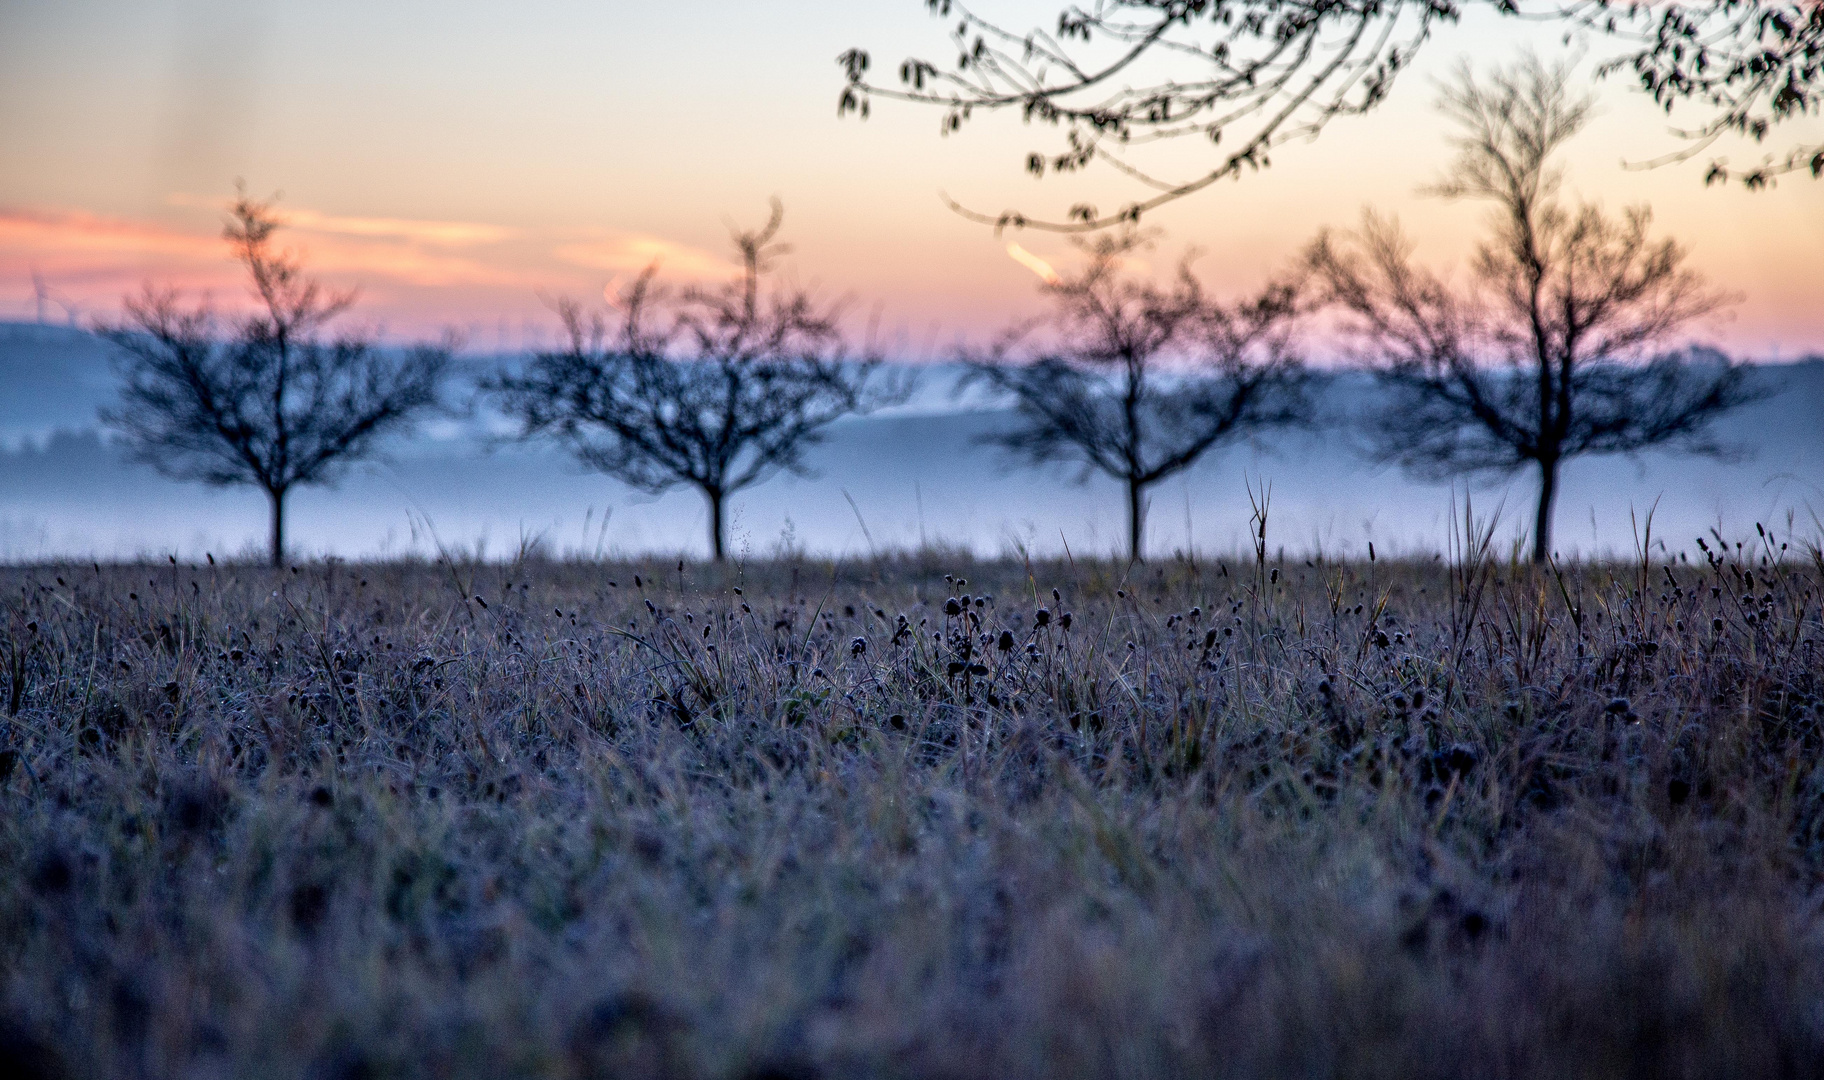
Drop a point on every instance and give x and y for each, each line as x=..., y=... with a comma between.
x=1251, y=75
x=1755, y=65
x=1122, y=72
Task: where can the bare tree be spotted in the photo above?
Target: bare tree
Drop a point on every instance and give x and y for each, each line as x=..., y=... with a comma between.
x=718, y=389
x=272, y=405
x=1539, y=359
x=1249, y=75
x=1138, y=381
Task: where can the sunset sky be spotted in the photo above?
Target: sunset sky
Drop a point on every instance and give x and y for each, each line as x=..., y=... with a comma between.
x=459, y=160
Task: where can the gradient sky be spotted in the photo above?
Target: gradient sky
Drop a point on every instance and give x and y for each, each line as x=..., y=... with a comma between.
x=458, y=159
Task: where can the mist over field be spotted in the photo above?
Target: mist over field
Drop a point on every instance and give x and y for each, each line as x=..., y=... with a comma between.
x=916, y=474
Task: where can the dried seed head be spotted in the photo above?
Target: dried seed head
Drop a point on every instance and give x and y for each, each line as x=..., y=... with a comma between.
x=53, y=874
x=1458, y=759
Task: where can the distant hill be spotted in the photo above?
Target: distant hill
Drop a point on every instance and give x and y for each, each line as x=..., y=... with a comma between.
x=916, y=470
x=51, y=378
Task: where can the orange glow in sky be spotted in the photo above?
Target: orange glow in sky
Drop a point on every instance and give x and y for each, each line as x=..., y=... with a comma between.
x=462, y=162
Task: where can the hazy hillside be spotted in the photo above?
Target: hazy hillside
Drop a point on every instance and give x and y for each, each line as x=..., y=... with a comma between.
x=51, y=378
x=915, y=473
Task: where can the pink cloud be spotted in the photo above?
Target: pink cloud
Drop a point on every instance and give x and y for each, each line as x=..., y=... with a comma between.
x=440, y=233
x=75, y=234
x=89, y=247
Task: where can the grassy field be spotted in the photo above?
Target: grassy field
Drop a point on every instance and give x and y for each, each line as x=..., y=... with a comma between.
x=916, y=817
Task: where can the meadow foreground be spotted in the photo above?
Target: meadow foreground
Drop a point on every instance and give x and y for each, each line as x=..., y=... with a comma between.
x=920, y=817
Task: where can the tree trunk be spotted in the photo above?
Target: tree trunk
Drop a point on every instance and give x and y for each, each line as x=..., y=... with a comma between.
x=716, y=499
x=1542, y=523
x=1136, y=520
x=278, y=527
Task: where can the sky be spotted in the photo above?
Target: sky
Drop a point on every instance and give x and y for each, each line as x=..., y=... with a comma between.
x=465, y=162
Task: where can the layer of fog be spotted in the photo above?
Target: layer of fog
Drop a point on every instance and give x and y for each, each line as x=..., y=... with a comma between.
x=914, y=476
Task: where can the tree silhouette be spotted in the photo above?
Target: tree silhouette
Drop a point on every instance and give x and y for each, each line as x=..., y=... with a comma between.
x=1539, y=358
x=273, y=405
x=1138, y=381
x=718, y=389
x=1249, y=75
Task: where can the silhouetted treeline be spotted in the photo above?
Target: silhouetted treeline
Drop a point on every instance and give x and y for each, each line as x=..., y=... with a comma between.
x=1559, y=346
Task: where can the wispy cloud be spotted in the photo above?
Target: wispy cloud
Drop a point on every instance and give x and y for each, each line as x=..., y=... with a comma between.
x=1034, y=263
x=405, y=263
x=59, y=235
x=410, y=230
x=439, y=233
x=623, y=253
x=92, y=246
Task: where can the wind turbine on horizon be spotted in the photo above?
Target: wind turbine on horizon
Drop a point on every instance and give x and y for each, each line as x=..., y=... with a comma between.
x=43, y=294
